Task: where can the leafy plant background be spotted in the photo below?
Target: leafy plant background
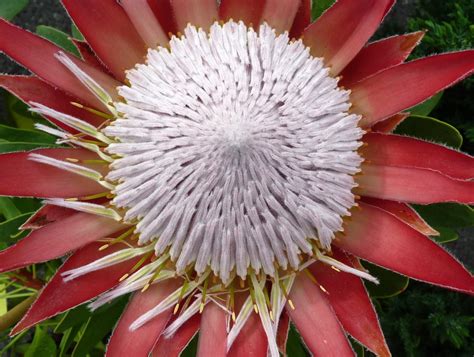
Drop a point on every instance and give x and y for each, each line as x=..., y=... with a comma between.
x=422, y=321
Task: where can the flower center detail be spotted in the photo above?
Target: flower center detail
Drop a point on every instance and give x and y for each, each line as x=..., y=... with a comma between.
x=235, y=151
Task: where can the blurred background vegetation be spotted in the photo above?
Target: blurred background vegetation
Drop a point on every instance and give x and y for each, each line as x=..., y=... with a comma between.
x=421, y=321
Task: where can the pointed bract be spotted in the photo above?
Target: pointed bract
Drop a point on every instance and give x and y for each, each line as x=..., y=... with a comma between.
x=351, y=303
x=404, y=86
x=280, y=14
x=316, y=321
x=109, y=32
x=199, y=13
x=213, y=334
x=174, y=345
x=59, y=296
x=412, y=185
x=355, y=21
x=379, y=56
x=389, y=125
x=164, y=13
x=251, y=340
x=140, y=342
x=302, y=19
x=249, y=11
x=26, y=178
x=46, y=215
x=380, y=238
x=56, y=240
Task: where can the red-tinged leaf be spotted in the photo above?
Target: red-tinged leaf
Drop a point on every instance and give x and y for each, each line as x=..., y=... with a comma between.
x=251, y=341
x=403, y=151
x=109, y=32
x=88, y=55
x=37, y=54
x=173, y=346
x=379, y=56
x=145, y=22
x=200, y=13
x=32, y=89
x=213, y=335
x=164, y=13
x=280, y=14
x=316, y=321
x=46, y=215
x=249, y=11
x=57, y=239
x=404, y=86
x=380, y=238
x=412, y=185
x=403, y=212
x=302, y=19
x=59, y=295
x=390, y=124
x=353, y=307
x=140, y=342
x=282, y=333
x=355, y=21
x=26, y=178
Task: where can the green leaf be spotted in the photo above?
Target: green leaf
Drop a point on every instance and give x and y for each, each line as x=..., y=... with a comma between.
x=6, y=147
x=19, y=112
x=294, y=346
x=8, y=208
x=319, y=6
x=58, y=37
x=43, y=345
x=10, y=228
x=358, y=348
x=192, y=348
x=446, y=235
x=3, y=302
x=97, y=327
x=76, y=33
x=12, y=135
x=426, y=107
x=449, y=215
x=67, y=340
x=72, y=318
x=10, y=8
x=430, y=129
x=391, y=284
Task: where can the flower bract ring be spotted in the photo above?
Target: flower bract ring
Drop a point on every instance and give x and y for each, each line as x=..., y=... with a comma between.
x=229, y=164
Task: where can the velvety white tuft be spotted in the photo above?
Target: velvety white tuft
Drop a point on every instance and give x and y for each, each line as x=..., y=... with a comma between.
x=236, y=151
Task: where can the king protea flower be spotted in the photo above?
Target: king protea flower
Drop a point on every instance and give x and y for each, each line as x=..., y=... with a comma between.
x=229, y=164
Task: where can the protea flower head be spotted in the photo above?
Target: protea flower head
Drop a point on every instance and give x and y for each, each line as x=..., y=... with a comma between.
x=229, y=163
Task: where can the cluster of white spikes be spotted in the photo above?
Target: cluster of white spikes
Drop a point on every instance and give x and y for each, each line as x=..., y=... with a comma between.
x=236, y=150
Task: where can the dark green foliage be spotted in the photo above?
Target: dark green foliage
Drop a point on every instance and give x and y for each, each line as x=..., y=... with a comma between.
x=428, y=321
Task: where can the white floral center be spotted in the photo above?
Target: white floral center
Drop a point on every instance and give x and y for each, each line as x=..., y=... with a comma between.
x=236, y=151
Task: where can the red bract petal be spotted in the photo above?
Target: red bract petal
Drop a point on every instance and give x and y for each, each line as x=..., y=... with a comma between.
x=174, y=345
x=200, y=13
x=412, y=185
x=213, y=335
x=403, y=151
x=37, y=54
x=280, y=14
x=32, y=89
x=316, y=321
x=341, y=32
x=59, y=296
x=403, y=212
x=353, y=307
x=379, y=56
x=145, y=22
x=164, y=13
x=379, y=237
x=140, y=342
x=110, y=33
x=408, y=84
x=57, y=239
x=251, y=341
x=282, y=333
x=46, y=215
x=249, y=11
x=302, y=19
x=390, y=124
x=88, y=55
x=26, y=178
